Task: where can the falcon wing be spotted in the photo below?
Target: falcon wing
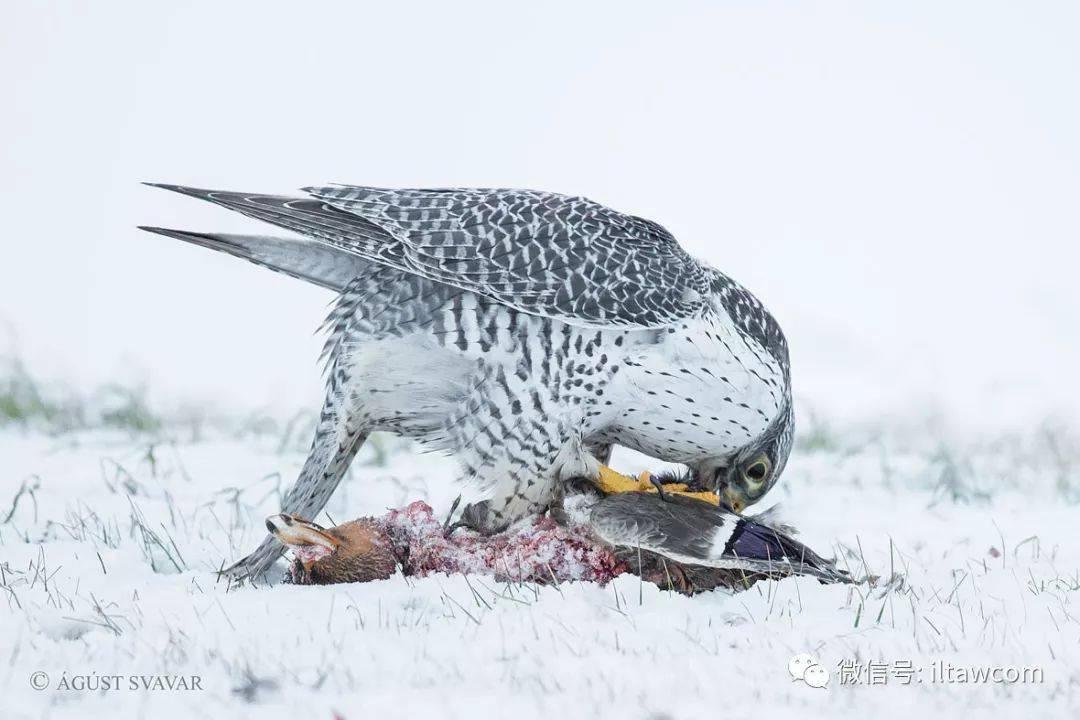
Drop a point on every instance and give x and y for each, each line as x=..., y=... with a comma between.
x=541, y=253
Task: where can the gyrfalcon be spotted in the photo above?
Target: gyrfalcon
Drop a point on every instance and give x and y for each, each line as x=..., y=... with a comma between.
x=524, y=332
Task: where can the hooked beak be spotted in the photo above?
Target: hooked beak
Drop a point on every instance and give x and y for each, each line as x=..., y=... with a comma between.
x=732, y=495
x=732, y=499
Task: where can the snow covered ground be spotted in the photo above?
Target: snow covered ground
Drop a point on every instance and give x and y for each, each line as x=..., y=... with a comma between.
x=109, y=542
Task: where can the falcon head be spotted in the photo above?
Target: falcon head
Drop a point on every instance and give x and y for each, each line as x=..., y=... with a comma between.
x=753, y=470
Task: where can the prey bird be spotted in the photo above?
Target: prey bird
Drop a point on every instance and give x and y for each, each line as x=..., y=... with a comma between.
x=525, y=333
x=678, y=542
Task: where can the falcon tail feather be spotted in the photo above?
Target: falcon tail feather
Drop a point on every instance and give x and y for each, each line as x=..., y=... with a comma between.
x=321, y=223
x=301, y=258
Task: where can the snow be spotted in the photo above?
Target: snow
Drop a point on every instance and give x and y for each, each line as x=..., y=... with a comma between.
x=108, y=563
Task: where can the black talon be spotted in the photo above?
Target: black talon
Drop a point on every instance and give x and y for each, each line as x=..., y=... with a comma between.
x=448, y=527
x=656, y=483
x=448, y=530
x=450, y=513
x=474, y=516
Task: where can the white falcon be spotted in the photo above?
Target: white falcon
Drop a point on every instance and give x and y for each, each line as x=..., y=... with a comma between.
x=524, y=332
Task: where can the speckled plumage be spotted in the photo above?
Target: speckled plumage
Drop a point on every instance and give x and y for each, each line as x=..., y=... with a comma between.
x=525, y=333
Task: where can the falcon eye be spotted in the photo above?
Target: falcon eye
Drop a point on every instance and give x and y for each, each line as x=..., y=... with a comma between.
x=757, y=472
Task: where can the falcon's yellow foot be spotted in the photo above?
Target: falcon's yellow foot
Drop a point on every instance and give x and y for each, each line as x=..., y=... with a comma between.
x=705, y=496
x=610, y=482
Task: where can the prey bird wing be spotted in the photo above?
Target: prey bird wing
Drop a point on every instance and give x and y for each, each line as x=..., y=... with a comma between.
x=690, y=531
x=541, y=253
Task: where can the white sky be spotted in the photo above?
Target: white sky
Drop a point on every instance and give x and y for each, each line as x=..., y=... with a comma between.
x=899, y=184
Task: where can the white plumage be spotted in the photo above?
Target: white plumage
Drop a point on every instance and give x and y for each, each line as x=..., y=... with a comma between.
x=526, y=333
